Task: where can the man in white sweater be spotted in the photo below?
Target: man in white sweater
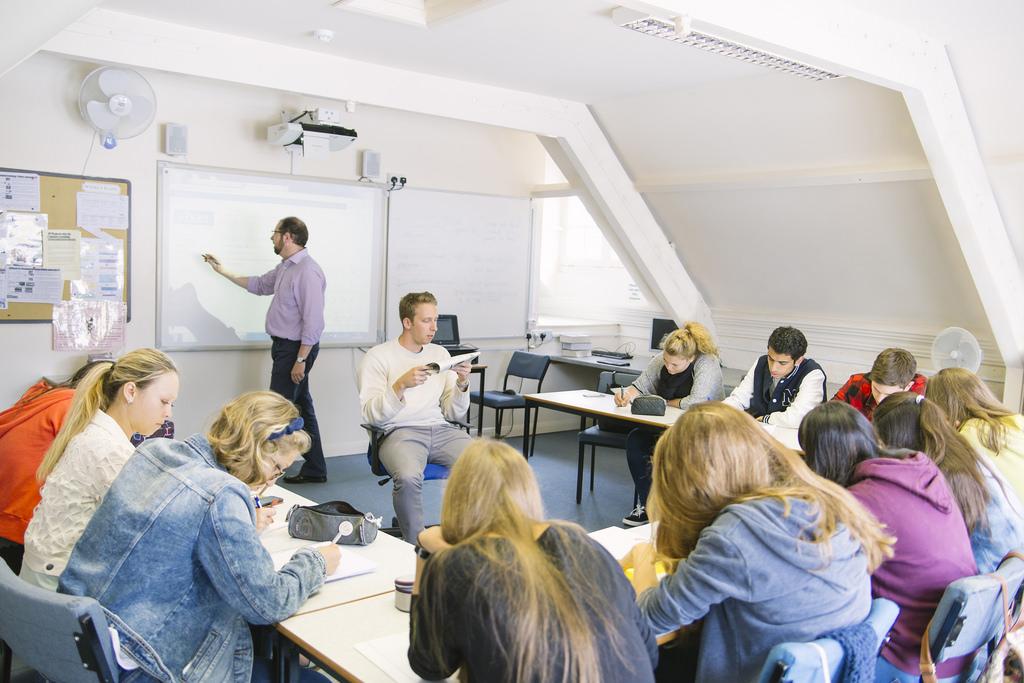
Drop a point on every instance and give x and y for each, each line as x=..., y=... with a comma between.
x=399, y=394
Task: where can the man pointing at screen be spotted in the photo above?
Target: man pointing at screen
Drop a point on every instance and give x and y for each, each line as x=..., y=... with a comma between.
x=295, y=321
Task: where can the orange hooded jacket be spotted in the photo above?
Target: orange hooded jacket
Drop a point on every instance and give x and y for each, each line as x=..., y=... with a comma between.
x=26, y=430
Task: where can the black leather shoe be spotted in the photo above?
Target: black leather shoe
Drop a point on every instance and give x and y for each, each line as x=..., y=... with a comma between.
x=304, y=479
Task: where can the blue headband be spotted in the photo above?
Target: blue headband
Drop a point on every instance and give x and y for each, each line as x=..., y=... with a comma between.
x=293, y=426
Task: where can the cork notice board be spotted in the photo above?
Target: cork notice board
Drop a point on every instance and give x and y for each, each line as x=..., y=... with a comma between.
x=59, y=200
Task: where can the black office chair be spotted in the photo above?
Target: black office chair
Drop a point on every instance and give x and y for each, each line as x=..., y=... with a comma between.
x=601, y=433
x=525, y=366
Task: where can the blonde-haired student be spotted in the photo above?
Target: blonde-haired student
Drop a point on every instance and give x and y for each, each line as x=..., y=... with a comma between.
x=509, y=596
x=174, y=549
x=985, y=422
x=762, y=549
x=686, y=372
x=115, y=400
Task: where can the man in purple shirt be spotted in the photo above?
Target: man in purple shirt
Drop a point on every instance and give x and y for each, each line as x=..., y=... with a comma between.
x=295, y=321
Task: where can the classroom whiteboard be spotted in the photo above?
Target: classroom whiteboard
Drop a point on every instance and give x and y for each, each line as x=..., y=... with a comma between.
x=472, y=251
x=232, y=214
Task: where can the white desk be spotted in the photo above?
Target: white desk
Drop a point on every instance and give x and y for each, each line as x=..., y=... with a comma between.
x=394, y=558
x=330, y=636
x=590, y=404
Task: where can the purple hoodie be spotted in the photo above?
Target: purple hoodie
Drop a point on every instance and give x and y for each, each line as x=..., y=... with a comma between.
x=912, y=499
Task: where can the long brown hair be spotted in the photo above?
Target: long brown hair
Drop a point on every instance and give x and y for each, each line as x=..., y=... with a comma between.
x=492, y=502
x=715, y=455
x=98, y=389
x=907, y=420
x=963, y=396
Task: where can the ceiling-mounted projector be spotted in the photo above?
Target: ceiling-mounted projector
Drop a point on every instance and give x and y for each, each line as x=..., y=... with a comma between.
x=314, y=137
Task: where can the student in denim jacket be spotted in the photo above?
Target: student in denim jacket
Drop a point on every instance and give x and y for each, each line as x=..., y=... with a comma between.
x=990, y=507
x=173, y=552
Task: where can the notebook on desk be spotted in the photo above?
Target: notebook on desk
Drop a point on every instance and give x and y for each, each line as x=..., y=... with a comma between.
x=447, y=335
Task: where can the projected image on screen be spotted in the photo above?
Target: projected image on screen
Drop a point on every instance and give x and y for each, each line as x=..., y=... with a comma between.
x=232, y=216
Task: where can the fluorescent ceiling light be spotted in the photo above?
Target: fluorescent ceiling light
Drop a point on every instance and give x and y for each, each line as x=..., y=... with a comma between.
x=678, y=31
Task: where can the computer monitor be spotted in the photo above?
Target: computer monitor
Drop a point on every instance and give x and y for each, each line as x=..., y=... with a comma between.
x=661, y=328
x=447, y=330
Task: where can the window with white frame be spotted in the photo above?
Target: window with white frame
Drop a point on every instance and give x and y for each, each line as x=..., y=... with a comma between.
x=581, y=276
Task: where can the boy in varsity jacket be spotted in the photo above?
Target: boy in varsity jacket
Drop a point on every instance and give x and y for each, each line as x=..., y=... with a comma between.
x=783, y=385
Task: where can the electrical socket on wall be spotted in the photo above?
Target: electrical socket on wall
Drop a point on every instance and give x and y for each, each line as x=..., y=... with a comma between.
x=535, y=338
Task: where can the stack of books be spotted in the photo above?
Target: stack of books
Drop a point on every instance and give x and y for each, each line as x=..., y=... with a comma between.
x=576, y=345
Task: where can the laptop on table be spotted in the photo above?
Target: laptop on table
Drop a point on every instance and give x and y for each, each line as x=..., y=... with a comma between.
x=447, y=335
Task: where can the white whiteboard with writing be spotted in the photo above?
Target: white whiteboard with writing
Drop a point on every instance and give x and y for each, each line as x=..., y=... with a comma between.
x=232, y=214
x=471, y=251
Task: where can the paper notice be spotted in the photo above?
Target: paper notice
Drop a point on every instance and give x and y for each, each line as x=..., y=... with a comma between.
x=102, y=265
x=21, y=239
x=19, y=192
x=88, y=326
x=34, y=285
x=99, y=210
x=62, y=249
x=3, y=289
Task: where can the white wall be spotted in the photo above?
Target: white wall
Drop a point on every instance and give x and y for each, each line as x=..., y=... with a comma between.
x=808, y=203
x=42, y=130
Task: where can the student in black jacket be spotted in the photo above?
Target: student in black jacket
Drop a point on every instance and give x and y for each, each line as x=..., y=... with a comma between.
x=509, y=596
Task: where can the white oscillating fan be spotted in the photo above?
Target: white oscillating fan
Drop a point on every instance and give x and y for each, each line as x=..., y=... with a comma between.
x=118, y=102
x=955, y=347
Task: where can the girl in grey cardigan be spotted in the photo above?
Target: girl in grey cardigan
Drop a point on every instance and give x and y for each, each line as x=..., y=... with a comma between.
x=686, y=372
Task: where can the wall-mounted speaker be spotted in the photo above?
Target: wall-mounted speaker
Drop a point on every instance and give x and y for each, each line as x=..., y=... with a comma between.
x=371, y=164
x=175, y=139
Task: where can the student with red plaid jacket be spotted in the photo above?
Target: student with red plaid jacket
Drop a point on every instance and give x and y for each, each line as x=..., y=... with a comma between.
x=894, y=370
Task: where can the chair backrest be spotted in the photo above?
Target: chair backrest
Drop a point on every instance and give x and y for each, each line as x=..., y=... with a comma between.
x=803, y=662
x=63, y=637
x=609, y=378
x=970, y=613
x=527, y=366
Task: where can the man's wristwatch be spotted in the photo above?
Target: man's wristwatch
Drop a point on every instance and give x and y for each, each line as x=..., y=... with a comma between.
x=300, y=359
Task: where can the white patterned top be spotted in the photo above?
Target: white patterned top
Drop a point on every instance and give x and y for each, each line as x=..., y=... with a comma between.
x=73, y=491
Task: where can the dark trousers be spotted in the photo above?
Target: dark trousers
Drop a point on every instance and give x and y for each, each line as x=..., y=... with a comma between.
x=284, y=352
x=639, y=449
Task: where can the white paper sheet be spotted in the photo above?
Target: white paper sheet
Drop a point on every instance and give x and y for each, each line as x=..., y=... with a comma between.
x=102, y=265
x=3, y=289
x=34, y=285
x=62, y=249
x=89, y=326
x=352, y=564
x=619, y=541
x=19, y=191
x=21, y=238
x=98, y=210
x=390, y=654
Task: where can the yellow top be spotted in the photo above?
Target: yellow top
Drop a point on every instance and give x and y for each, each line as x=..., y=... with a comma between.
x=1009, y=460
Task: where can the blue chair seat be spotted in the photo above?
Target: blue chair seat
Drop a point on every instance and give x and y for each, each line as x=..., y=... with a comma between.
x=595, y=436
x=525, y=366
x=802, y=662
x=499, y=399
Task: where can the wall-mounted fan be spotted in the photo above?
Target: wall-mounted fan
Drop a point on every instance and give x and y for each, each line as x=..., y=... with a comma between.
x=118, y=102
x=955, y=347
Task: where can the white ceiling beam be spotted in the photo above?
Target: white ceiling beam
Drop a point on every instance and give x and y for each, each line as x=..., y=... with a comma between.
x=114, y=37
x=843, y=39
x=817, y=177
x=28, y=24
